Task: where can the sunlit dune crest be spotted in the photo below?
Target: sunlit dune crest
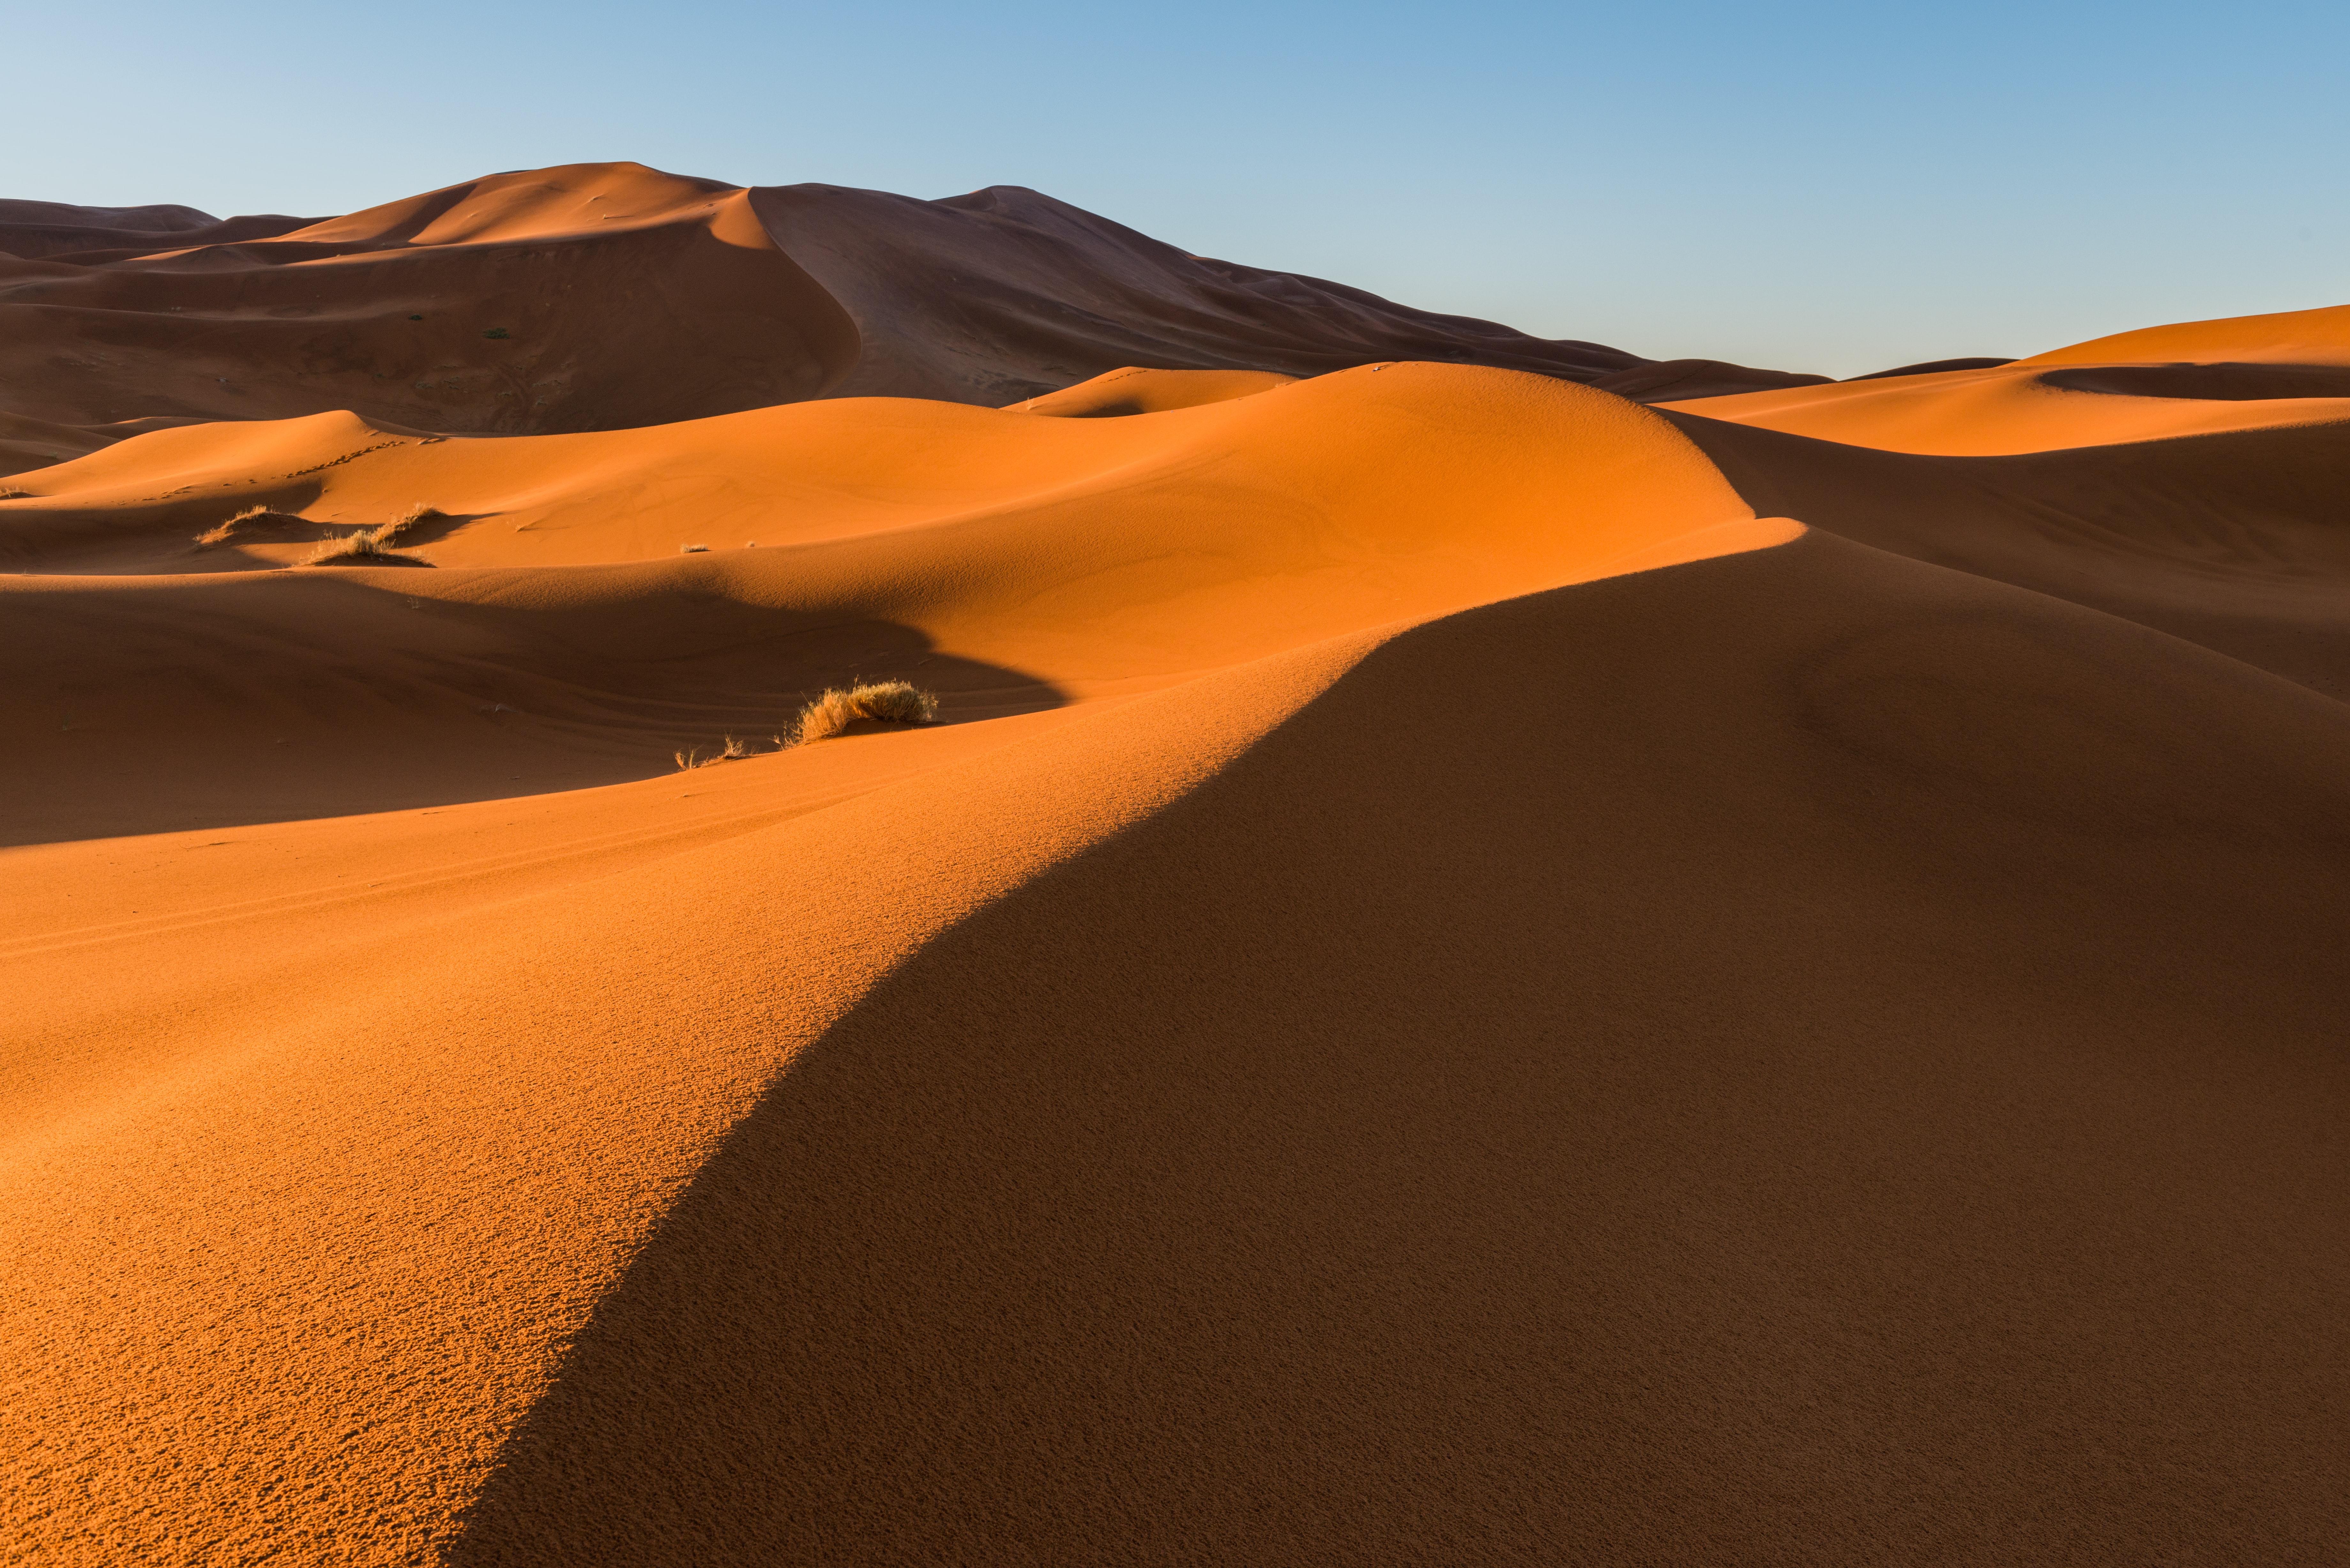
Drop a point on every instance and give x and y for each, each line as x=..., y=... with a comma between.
x=702, y=874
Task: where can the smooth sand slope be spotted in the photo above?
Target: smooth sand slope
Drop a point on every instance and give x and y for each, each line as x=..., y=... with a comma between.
x=1474, y=973
x=2193, y=378
x=2233, y=540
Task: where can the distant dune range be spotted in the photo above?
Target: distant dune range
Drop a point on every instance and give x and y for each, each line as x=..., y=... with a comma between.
x=623, y=296
x=1473, y=972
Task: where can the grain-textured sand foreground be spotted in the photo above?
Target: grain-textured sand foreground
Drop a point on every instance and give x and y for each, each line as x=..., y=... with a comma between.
x=1472, y=972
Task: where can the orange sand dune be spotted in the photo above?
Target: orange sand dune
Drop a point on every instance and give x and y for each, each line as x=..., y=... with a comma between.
x=1008, y=559
x=1473, y=972
x=2290, y=337
x=2198, y=378
x=2025, y=407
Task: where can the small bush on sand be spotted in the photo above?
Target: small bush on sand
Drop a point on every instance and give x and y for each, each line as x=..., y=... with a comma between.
x=10, y=492
x=691, y=756
x=372, y=543
x=252, y=520
x=894, y=701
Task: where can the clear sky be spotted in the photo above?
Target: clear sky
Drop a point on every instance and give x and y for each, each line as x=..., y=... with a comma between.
x=1830, y=187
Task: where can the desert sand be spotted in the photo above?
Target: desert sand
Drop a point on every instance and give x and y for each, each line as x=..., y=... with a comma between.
x=1471, y=971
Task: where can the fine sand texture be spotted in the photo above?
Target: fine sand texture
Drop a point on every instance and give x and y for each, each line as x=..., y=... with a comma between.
x=1468, y=972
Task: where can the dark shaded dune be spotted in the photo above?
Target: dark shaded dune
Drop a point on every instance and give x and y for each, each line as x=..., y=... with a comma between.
x=33, y=231
x=676, y=308
x=1670, y=379
x=2227, y=383
x=1803, y=1057
x=1006, y=293
x=2237, y=540
x=1932, y=367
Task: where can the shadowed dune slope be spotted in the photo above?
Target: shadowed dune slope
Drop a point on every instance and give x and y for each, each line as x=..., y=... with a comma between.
x=35, y=231
x=1007, y=294
x=1133, y=389
x=1717, y=1065
x=619, y=296
x=2236, y=540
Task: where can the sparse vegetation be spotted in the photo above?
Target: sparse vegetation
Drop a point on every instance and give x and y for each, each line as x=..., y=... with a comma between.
x=892, y=701
x=10, y=492
x=497, y=332
x=691, y=756
x=691, y=549
x=372, y=543
x=253, y=519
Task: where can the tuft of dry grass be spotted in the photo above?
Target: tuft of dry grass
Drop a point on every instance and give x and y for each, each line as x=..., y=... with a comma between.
x=368, y=544
x=10, y=492
x=371, y=544
x=251, y=518
x=691, y=756
x=893, y=702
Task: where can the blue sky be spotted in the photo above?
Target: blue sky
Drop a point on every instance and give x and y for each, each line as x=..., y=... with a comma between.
x=1815, y=186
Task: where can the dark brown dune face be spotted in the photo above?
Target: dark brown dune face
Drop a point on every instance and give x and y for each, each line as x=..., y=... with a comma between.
x=1007, y=294
x=1749, y=1087
x=589, y=297
x=2234, y=540
x=2226, y=383
x=36, y=231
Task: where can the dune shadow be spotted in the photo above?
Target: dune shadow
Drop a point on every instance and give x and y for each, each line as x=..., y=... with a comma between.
x=283, y=696
x=1432, y=1139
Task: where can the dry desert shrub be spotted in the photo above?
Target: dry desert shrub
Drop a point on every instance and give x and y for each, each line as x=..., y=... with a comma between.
x=894, y=701
x=251, y=519
x=371, y=544
x=10, y=492
x=368, y=544
x=691, y=756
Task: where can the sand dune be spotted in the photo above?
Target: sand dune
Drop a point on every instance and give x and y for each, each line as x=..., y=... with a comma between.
x=1472, y=973
x=1009, y=559
x=579, y=299
x=2234, y=540
x=596, y=296
x=2198, y=378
